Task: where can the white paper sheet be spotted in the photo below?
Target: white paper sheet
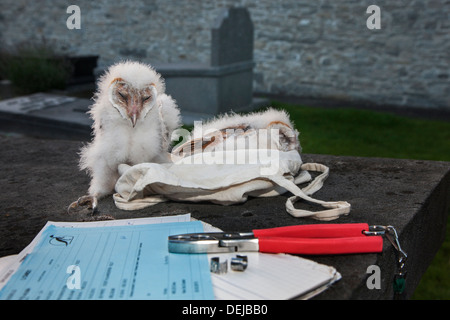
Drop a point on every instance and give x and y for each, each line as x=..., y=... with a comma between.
x=272, y=277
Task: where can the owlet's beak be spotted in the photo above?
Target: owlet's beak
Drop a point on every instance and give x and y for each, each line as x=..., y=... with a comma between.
x=134, y=119
x=133, y=113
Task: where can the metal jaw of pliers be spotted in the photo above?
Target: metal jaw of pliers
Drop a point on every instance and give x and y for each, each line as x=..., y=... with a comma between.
x=302, y=239
x=213, y=242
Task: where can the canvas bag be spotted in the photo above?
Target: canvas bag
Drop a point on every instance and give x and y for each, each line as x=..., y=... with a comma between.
x=206, y=168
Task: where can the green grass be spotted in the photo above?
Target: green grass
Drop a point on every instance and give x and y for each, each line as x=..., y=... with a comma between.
x=367, y=133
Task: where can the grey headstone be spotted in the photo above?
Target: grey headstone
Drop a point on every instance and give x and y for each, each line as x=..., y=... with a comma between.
x=232, y=37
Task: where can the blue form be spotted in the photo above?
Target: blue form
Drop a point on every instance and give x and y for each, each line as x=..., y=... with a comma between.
x=117, y=262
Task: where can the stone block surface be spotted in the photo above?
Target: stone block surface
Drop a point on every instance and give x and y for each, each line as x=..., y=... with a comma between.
x=40, y=178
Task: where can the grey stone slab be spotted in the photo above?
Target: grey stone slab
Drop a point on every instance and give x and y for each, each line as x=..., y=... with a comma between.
x=212, y=95
x=210, y=90
x=47, y=115
x=40, y=178
x=34, y=102
x=197, y=69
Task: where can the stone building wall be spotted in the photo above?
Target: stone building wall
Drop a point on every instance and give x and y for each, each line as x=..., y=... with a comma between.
x=315, y=48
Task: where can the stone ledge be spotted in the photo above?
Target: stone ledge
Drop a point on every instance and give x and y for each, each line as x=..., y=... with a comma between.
x=40, y=178
x=192, y=69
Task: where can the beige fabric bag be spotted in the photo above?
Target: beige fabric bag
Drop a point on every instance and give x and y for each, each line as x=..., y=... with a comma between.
x=228, y=175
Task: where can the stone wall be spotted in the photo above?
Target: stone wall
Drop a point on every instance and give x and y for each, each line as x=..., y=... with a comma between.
x=319, y=49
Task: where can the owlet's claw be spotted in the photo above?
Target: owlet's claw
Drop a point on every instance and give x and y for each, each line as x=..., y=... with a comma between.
x=90, y=201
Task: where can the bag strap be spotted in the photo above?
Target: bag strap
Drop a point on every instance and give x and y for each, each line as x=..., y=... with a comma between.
x=317, y=183
x=334, y=208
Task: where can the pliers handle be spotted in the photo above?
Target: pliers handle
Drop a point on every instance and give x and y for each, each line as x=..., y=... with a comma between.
x=319, y=239
x=316, y=239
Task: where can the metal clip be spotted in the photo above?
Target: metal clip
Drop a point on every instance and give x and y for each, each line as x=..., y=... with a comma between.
x=392, y=236
x=217, y=266
x=239, y=263
x=399, y=278
x=390, y=231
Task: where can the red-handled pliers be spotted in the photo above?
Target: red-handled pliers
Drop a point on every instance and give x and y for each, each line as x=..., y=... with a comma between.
x=315, y=239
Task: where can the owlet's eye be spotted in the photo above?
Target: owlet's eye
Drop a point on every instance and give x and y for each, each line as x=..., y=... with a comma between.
x=122, y=95
x=145, y=98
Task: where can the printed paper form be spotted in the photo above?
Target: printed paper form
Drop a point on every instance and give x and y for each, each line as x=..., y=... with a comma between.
x=9, y=264
x=120, y=262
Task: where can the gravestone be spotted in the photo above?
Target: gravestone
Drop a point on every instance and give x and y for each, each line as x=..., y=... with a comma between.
x=232, y=38
x=227, y=82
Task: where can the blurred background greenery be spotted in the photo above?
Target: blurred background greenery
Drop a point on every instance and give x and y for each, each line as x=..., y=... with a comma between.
x=34, y=67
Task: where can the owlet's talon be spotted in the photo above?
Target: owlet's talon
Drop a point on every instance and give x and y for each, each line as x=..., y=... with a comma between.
x=91, y=202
